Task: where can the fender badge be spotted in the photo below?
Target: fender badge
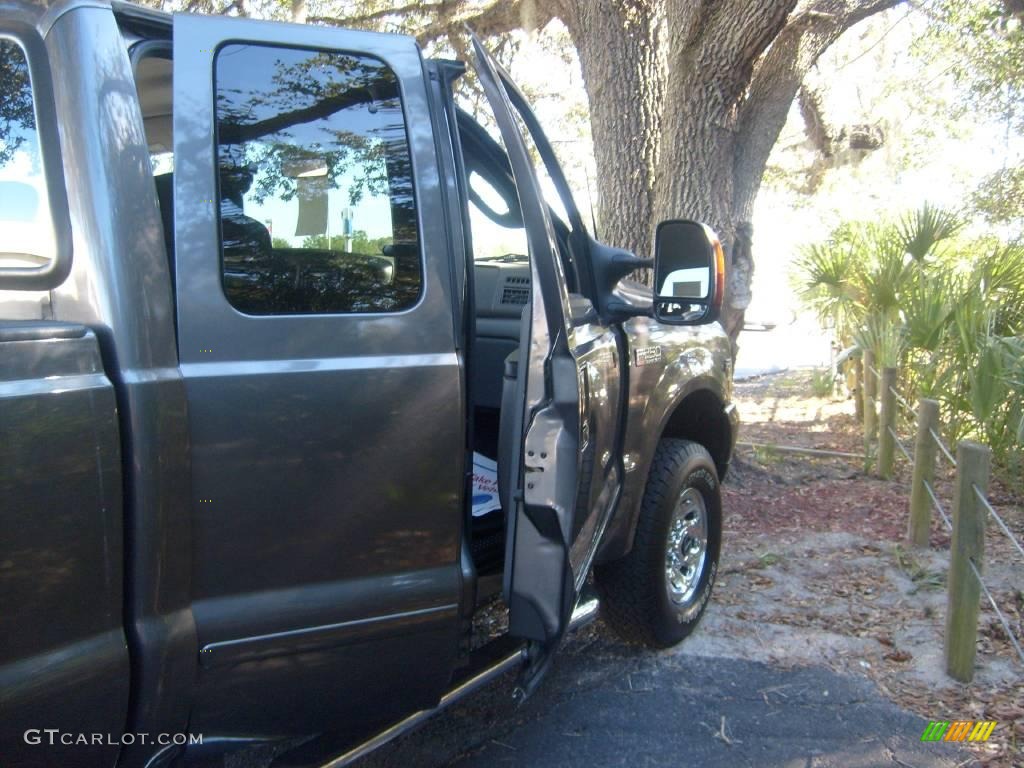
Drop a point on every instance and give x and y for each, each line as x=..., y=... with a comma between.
x=645, y=355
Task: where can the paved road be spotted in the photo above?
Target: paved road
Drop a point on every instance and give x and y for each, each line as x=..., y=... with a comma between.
x=606, y=704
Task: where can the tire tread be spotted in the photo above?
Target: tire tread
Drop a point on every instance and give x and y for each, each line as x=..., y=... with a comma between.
x=628, y=601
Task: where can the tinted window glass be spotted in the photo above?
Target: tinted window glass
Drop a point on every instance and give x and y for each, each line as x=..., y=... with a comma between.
x=26, y=232
x=316, y=193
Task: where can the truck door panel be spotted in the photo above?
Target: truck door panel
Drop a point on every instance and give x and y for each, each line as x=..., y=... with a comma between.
x=571, y=429
x=325, y=401
x=63, y=661
x=597, y=347
x=541, y=580
x=597, y=351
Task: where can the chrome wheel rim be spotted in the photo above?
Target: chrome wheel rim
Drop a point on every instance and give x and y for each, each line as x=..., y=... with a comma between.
x=687, y=547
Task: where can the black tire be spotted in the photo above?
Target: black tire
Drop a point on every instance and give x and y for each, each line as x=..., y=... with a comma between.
x=634, y=590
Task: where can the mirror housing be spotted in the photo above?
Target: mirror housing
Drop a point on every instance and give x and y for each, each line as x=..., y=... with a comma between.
x=689, y=273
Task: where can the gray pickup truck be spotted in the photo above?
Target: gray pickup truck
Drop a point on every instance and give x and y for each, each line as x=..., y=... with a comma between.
x=304, y=368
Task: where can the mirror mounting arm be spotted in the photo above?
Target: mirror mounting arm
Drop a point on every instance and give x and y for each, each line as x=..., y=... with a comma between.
x=625, y=263
x=620, y=311
x=610, y=265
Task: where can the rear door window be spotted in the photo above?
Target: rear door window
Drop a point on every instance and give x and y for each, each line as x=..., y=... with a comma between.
x=26, y=229
x=317, y=211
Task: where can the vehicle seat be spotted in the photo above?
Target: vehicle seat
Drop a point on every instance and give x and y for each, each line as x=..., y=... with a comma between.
x=510, y=425
x=508, y=430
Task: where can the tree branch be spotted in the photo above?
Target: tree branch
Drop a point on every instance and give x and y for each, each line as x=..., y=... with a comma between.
x=729, y=36
x=501, y=17
x=365, y=18
x=777, y=79
x=815, y=125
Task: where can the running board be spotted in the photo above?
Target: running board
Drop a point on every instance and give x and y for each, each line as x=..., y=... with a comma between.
x=584, y=613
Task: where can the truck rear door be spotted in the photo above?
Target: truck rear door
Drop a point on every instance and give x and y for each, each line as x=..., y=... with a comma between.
x=325, y=401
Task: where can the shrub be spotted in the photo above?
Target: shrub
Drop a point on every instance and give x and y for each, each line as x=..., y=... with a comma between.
x=949, y=313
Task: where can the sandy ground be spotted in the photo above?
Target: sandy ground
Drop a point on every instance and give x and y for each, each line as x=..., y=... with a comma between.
x=815, y=570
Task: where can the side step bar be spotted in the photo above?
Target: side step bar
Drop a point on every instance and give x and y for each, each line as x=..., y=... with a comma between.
x=584, y=613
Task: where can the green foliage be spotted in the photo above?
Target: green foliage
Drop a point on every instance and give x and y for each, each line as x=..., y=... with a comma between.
x=980, y=45
x=884, y=337
x=921, y=231
x=360, y=243
x=926, y=309
x=999, y=198
x=822, y=382
x=886, y=275
x=951, y=318
x=826, y=281
x=983, y=43
x=766, y=454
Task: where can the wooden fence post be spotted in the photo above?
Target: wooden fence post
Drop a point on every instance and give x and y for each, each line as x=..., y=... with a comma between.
x=870, y=388
x=964, y=591
x=925, y=451
x=858, y=389
x=887, y=424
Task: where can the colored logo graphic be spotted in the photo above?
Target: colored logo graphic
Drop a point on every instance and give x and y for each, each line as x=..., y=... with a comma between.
x=958, y=730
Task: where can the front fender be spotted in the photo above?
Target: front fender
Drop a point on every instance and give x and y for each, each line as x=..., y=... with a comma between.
x=694, y=362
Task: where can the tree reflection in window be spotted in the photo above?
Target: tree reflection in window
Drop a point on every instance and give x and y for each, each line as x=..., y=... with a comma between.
x=26, y=230
x=305, y=137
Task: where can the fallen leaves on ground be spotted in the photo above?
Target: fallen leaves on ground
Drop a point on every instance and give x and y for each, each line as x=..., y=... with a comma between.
x=814, y=544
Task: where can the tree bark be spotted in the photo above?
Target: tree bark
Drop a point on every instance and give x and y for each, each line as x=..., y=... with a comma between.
x=622, y=57
x=715, y=47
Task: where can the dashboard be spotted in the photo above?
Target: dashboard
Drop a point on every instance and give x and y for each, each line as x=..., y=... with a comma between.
x=502, y=288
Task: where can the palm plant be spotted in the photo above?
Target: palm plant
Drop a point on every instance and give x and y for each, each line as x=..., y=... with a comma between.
x=951, y=318
x=926, y=309
x=994, y=393
x=825, y=280
x=885, y=276
x=883, y=337
x=920, y=231
x=998, y=276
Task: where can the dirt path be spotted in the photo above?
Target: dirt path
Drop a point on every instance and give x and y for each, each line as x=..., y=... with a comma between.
x=815, y=571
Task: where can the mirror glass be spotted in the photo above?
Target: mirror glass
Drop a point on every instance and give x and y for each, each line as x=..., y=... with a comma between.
x=684, y=260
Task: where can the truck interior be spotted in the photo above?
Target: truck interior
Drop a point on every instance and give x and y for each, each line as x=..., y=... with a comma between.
x=498, y=297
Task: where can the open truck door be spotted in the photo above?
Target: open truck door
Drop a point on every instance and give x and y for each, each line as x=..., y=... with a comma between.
x=549, y=542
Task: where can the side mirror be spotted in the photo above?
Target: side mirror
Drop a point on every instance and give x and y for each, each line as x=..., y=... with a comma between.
x=689, y=273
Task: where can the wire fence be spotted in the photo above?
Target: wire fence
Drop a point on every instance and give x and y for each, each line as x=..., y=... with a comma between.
x=995, y=607
x=899, y=444
x=938, y=506
x=967, y=522
x=942, y=446
x=999, y=520
x=886, y=412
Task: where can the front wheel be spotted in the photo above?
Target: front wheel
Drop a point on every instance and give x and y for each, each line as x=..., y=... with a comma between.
x=657, y=593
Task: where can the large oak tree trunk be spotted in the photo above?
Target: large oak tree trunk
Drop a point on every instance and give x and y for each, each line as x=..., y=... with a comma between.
x=709, y=84
x=715, y=47
x=623, y=63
